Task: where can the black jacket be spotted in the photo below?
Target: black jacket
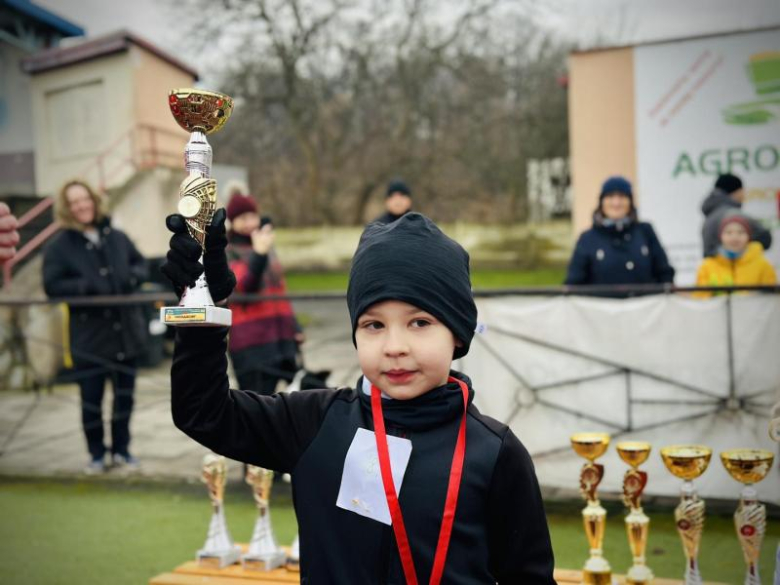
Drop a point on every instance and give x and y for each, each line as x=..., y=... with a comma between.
x=500, y=531
x=607, y=255
x=73, y=267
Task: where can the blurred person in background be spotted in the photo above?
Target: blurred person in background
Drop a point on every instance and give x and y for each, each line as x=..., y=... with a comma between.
x=265, y=336
x=618, y=249
x=738, y=261
x=398, y=202
x=727, y=196
x=90, y=258
x=9, y=237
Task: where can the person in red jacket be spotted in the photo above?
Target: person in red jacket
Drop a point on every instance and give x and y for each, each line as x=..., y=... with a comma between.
x=265, y=335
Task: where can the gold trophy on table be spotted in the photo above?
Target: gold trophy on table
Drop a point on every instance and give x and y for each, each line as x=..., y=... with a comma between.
x=749, y=466
x=688, y=462
x=637, y=523
x=264, y=553
x=591, y=446
x=219, y=550
x=199, y=112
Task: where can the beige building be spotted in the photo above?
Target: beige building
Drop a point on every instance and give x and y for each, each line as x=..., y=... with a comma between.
x=100, y=113
x=601, y=125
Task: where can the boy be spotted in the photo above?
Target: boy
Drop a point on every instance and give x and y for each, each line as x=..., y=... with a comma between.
x=433, y=456
x=738, y=261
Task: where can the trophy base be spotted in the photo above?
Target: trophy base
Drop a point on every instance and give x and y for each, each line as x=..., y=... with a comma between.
x=264, y=562
x=293, y=565
x=596, y=577
x=639, y=575
x=219, y=559
x=209, y=316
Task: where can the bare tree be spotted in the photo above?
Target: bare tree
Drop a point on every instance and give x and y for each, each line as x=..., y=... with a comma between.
x=337, y=96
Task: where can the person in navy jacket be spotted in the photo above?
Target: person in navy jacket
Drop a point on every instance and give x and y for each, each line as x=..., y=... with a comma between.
x=618, y=249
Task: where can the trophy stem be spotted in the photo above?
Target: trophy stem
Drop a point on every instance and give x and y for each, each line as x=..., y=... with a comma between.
x=689, y=516
x=638, y=527
x=597, y=570
x=198, y=154
x=692, y=574
x=750, y=522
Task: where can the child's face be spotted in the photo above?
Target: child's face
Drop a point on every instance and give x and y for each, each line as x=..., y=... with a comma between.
x=398, y=203
x=245, y=223
x=403, y=350
x=734, y=237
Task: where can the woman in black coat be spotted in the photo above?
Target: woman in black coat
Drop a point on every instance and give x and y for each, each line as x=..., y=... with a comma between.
x=88, y=258
x=618, y=249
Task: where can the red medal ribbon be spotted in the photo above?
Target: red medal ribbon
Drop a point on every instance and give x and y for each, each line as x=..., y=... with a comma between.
x=450, y=504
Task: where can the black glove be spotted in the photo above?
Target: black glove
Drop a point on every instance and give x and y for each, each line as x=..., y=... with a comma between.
x=182, y=267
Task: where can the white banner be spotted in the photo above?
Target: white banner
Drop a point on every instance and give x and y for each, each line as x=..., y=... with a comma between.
x=705, y=107
x=657, y=369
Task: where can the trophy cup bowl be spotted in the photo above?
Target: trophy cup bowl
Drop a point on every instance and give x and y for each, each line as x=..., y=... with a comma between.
x=591, y=446
x=749, y=466
x=199, y=112
x=688, y=462
x=634, y=453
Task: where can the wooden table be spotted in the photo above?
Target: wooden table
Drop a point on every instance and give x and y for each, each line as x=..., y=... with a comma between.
x=192, y=574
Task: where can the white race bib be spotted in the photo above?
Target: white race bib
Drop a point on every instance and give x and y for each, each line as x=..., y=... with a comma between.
x=362, y=491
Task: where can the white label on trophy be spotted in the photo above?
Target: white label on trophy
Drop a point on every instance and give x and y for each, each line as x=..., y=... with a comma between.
x=361, y=488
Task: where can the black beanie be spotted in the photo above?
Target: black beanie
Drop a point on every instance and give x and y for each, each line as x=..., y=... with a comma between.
x=728, y=183
x=411, y=260
x=398, y=186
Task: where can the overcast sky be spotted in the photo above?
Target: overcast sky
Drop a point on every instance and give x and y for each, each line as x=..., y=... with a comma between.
x=622, y=21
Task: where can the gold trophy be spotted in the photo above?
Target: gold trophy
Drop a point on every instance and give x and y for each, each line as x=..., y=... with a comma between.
x=591, y=446
x=688, y=462
x=218, y=550
x=637, y=523
x=263, y=554
x=749, y=466
x=200, y=113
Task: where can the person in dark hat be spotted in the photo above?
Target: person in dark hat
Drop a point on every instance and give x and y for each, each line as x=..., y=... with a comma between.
x=265, y=336
x=398, y=202
x=618, y=249
x=727, y=196
x=400, y=479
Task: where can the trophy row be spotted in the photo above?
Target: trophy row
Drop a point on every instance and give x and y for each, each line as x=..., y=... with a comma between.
x=748, y=466
x=263, y=553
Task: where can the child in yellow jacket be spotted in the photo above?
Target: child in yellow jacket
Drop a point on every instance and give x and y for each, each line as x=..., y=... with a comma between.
x=738, y=262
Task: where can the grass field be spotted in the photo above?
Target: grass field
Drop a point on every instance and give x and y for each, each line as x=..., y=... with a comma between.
x=337, y=281
x=97, y=532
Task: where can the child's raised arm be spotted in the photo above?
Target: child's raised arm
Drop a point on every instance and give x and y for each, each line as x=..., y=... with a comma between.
x=269, y=431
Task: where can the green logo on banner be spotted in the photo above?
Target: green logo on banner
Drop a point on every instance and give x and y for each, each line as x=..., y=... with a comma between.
x=764, y=73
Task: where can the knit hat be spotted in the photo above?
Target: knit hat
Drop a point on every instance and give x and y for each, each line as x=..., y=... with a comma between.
x=728, y=183
x=239, y=204
x=411, y=260
x=398, y=186
x=616, y=183
x=735, y=218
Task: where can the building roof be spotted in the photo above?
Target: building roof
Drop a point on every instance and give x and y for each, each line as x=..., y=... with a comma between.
x=43, y=16
x=117, y=42
x=677, y=39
